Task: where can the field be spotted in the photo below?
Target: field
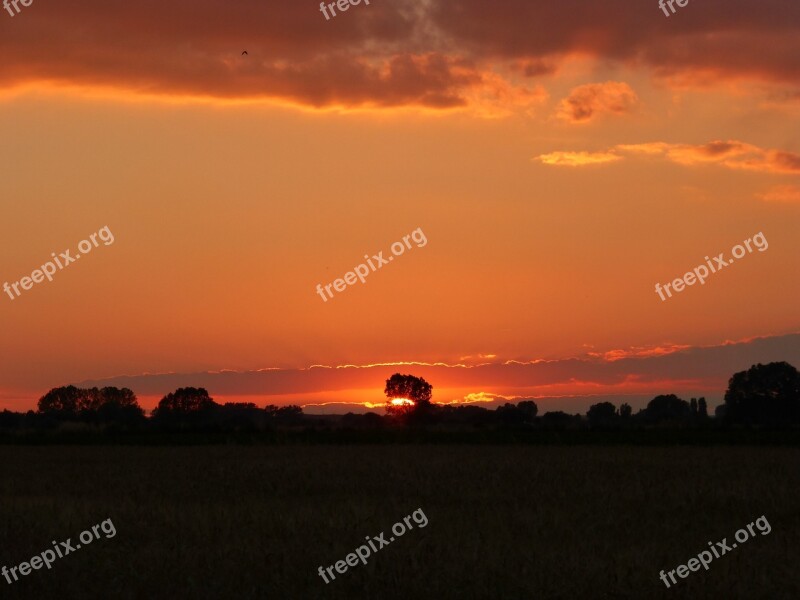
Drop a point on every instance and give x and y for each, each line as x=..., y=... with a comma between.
x=504, y=521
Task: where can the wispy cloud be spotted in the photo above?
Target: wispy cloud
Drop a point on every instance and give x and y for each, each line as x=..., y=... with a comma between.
x=789, y=194
x=730, y=154
x=586, y=102
x=639, y=352
x=578, y=159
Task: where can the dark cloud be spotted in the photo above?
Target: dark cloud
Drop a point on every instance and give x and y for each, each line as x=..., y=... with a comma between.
x=385, y=54
x=723, y=38
x=659, y=369
x=194, y=48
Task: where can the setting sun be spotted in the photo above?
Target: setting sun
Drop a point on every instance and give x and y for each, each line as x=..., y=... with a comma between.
x=401, y=401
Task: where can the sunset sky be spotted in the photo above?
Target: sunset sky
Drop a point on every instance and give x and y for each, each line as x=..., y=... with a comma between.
x=561, y=159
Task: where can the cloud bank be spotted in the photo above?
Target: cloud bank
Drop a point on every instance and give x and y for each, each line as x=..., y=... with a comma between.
x=658, y=369
x=435, y=53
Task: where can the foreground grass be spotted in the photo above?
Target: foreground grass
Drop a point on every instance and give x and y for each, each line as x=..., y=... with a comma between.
x=504, y=522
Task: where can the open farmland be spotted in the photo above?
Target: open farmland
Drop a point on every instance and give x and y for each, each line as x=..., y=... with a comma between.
x=504, y=522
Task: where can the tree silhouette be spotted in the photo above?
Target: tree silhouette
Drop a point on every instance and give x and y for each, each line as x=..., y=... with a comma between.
x=702, y=409
x=467, y=414
x=407, y=387
x=190, y=408
x=286, y=415
x=559, y=420
x=528, y=409
x=108, y=405
x=523, y=413
x=602, y=414
x=510, y=414
x=185, y=401
x=114, y=405
x=61, y=400
x=239, y=416
x=121, y=397
x=764, y=394
x=89, y=400
x=667, y=408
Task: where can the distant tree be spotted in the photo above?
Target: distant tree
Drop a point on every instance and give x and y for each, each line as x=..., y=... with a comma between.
x=764, y=394
x=351, y=419
x=702, y=409
x=602, y=414
x=185, y=401
x=61, y=400
x=10, y=420
x=89, y=400
x=407, y=387
x=528, y=409
x=239, y=416
x=119, y=405
x=372, y=420
x=509, y=414
x=284, y=415
x=368, y=420
x=191, y=407
x=558, y=420
x=522, y=413
x=289, y=415
x=625, y=410
x=467, y=414
x=121, y=397
x=109, y=405
x=693, y=407
x=667, y=408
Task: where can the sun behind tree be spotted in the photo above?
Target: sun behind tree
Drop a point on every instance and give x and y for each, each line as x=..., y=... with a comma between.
x=406, y=394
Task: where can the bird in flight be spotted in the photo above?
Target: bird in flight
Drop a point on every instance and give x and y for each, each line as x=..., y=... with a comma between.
x=244, y=52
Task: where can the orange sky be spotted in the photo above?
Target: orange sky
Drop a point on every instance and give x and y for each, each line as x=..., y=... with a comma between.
x=561, y=159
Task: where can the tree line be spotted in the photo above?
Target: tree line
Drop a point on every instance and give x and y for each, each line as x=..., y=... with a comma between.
x=118, y=409
x=764, y=395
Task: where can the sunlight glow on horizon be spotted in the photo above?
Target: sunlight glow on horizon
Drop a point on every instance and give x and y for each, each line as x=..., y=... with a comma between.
x=401, y=401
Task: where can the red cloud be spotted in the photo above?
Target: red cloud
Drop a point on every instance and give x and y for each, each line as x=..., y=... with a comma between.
x=586, y=102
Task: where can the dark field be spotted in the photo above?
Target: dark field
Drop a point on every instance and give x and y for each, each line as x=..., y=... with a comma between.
x=504, y=522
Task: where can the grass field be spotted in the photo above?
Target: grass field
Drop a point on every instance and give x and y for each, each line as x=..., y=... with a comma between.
x=504, y=522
